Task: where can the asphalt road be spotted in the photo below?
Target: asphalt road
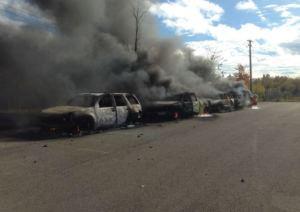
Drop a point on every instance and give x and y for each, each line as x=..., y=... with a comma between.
x=243, y=161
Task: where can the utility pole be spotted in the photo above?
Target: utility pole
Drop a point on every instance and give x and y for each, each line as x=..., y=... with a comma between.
x=250, y=62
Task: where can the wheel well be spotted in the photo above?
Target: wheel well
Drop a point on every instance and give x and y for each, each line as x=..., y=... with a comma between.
x=85, y=122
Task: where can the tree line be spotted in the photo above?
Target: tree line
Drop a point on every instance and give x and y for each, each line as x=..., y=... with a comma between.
x=279, y=88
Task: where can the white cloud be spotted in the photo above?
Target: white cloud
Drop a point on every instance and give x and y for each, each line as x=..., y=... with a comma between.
x=285, y=12
x=23, y=11
x=246, y=5
x=269, y=54
x=263, y=62
x=261, y=15
x=249, y=5
x=188, y=16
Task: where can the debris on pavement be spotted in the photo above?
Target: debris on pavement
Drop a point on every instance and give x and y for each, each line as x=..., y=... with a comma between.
x=255, y=107
x=130, y=126
x=242, y=180
x=205, y=115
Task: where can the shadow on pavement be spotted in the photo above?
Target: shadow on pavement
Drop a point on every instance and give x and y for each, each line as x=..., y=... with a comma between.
x=32, y=134
x=28, y=135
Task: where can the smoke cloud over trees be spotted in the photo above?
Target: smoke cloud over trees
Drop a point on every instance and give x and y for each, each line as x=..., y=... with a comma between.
x=91, y=49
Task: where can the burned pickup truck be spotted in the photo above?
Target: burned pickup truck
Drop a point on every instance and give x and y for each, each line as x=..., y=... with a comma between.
x=182, y=105
x=91, y=111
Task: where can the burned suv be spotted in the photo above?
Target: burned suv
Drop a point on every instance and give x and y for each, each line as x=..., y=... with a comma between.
x=91, y=111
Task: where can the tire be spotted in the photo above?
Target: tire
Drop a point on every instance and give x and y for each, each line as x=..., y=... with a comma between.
x=84, y=124
x=220, y=109
x=132, y=118
x=89, y=125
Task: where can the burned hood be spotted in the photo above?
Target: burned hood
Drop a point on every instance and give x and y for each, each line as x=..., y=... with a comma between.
x=63, y=110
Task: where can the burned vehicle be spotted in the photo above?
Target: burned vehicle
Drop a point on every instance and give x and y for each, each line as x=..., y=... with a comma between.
x=182, y=105
x=91, y=111
x=243, y=98
x=220, y=104
x=251, y=98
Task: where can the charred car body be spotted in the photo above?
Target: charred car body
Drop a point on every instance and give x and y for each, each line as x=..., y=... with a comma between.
x=243, y=98
x=173, y=107
x=219, y=104
x=91, y=111
x=227, y=102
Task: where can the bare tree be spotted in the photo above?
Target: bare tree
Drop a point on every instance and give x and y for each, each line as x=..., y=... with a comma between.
x=216, y=57
x=138, y=13
x=214, y=54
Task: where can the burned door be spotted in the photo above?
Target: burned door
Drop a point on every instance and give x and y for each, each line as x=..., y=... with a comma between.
x=187, y=104
x=122, y=109
x=106, y=111
x=196, y=104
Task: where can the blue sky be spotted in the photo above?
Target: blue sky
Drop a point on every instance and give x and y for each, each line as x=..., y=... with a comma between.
x=236, y=18
x=18, y=12
x=225, y=26
x=207, y=26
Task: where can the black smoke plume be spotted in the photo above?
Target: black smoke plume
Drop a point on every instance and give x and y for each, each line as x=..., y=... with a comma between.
x=90, y=48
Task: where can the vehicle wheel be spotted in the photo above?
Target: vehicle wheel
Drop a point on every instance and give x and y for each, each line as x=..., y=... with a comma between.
x=45, y=132
x=176, y=115
x=220, y=109
x=206, y=110
x=88, y=125
x=76, y=131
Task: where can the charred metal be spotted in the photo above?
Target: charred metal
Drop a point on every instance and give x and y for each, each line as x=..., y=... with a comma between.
x=182, y=105
x=233, y=100
x=92, y=111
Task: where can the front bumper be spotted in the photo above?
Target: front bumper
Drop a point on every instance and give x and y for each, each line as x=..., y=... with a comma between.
x=56, y=122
